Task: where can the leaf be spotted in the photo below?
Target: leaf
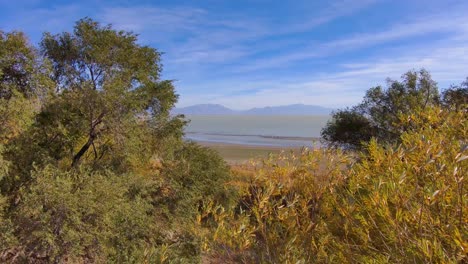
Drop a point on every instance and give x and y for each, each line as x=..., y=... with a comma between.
x=462, y=158
x=464, y=147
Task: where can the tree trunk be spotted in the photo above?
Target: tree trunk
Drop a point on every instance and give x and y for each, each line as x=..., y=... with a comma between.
x=77, y=157
x=92, y=136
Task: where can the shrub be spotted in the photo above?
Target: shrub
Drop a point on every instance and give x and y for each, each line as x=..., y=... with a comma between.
x=80, y=217
x=400, y=203
x=282, y=212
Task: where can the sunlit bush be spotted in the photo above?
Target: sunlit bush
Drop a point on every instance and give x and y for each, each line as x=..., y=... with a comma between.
x=281, y=215
x=404, y=203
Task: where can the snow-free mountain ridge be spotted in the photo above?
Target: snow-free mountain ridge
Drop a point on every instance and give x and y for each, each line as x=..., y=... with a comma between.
x=217, y=109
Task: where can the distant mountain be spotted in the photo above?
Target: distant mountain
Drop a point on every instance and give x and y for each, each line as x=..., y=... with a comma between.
x=204, y=109
x=295, y=109
x=216, y=109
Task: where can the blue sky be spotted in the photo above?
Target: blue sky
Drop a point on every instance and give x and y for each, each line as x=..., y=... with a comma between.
x=256, y=53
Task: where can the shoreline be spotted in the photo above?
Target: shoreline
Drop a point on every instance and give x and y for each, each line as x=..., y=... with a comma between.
x=240, y=153
x=246, y=146
x=293, y=138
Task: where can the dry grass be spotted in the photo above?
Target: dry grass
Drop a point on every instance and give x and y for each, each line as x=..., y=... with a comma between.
x=237, y=154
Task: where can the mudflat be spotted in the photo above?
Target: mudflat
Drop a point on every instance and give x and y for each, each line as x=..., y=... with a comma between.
x=239, y=153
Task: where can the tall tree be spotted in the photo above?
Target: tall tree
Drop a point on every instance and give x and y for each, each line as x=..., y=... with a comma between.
x=378, y=114
x=456, y=96
x=108, y=106
x=107, y=83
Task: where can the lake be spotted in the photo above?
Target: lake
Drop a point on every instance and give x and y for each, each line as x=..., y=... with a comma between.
x=282, y=131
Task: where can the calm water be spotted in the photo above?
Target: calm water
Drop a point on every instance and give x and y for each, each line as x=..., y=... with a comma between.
x=256, y=130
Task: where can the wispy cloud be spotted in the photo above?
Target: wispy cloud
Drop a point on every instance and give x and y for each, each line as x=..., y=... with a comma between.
x=453, y=24
x=205, y=37
x=141, y=18
x=346, y=85
x=257, y=56
x=40, y=19
x=335, y=10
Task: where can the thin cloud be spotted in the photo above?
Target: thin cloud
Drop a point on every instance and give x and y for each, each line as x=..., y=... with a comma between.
x=140, y=18
x=449, y=24
x=208, y=35
x=336, y=10
x=244, y=60
x=346, y=86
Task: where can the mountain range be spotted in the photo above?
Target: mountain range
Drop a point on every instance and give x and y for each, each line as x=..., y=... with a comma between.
x=217, y=109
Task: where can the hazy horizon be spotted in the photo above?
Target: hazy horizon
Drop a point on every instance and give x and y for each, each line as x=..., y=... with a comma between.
x=255, y=107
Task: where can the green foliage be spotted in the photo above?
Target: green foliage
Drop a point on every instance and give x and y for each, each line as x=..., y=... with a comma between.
x=110, y=109
x=196, y=174
x=20, y=68
x=73, y=217
x=378, y=114
x=110, y=85
x=93, y=167
x=16, y=115
x=348, y=129
x=24, y=84
x=6, y=227
x=456, y=96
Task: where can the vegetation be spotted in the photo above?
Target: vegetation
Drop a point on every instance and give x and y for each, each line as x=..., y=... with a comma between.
x=378, y=115
x=94, y=169
x=456, y=97
x=399, y=204
x=92, y=166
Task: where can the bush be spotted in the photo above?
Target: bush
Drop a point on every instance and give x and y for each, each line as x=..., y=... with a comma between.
x=408, y=201
x=80, y=217
x=400, y=203
x=197, y=173
x=282, y=212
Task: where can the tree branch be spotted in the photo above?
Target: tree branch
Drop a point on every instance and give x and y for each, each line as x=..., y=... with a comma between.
x=92, y=136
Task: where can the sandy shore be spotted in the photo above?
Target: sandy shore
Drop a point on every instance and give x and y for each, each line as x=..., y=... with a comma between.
x=238, y=153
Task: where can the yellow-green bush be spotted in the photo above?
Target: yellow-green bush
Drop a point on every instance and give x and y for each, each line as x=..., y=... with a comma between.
x=394, y=204
x=406, y=204
x=80, y=217
x=282, y=211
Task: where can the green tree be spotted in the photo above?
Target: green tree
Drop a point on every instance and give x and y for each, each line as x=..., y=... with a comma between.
x=93, y=167
x=24, y=87
x=106, y=80
x=81, y=217
x=21, y=69
x=6, y=226
x=109, y=108
x=348, y=128
x=196, y=173
x=378, y=114
x=24, y=84
x=456, y=96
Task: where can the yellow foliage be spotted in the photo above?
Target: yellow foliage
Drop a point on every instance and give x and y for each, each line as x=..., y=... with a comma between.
x=395, y=204
x=16, y=115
